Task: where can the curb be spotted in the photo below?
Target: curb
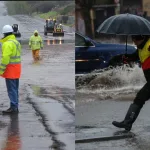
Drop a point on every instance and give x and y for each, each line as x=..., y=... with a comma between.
x=107, y=138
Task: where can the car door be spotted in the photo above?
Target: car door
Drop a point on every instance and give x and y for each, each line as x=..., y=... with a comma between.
x=86, y=55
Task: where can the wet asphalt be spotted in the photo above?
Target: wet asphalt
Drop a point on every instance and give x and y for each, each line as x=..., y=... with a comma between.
x=104, y=97
x=47, y=116
x=47, y=101
x=46, y=119
x=94, y=119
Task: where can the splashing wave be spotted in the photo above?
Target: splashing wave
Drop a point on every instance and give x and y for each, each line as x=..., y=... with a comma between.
x=119, y=82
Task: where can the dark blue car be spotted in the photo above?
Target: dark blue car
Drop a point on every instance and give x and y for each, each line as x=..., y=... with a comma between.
x=91, y=55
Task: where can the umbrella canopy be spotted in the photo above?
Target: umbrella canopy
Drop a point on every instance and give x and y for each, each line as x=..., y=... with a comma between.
x=125, y=24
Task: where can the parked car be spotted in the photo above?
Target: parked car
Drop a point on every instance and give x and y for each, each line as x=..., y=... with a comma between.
x=91, y=55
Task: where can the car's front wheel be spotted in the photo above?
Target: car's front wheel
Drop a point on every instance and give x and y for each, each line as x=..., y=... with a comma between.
x=120, y=60
x=116, y=61
x=45, y=33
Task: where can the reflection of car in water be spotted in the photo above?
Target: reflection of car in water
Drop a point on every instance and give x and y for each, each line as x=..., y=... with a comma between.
x=91, y=55
x=16, y=30
x=55, y=41
x=53, y=27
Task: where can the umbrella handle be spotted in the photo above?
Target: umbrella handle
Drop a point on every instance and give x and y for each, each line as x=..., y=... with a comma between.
x=126, y=43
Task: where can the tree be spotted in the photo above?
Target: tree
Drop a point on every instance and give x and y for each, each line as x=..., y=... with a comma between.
x=86, y=6
x=17, y=7
x=29, y=7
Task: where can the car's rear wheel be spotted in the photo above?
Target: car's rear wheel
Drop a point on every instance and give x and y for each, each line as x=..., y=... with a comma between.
x=116, y=61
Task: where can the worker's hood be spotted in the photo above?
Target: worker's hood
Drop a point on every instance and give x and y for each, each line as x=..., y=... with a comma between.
x=36, y=31
x=9, y=37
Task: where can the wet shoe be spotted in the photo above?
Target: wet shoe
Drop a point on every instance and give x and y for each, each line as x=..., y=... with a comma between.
x=10, y=111
x=130, y=118
x=122, y=124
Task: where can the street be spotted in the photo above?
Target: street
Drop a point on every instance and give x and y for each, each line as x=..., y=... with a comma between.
x=47, y=93
x=112, y=75
x=104, y=99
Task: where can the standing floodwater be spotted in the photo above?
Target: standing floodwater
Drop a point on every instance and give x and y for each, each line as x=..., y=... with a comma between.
x=47, y=92
x=102, y=97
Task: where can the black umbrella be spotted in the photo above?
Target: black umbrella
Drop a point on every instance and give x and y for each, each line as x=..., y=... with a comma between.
x=125, y=24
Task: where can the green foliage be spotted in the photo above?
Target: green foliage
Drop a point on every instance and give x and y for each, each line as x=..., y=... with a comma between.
x=49, y=14
x=43, y=9
x=67, y=10
x=17, y=7
x=29, y=7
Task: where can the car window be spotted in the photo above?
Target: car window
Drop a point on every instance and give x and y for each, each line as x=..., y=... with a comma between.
x=50, y=23
x=79, y=40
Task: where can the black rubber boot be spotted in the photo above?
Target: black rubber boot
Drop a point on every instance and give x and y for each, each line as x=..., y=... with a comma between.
x=130, y=117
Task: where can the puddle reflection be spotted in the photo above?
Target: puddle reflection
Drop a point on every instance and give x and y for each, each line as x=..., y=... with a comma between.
x=13, y=141
x=51, y=41
x=56, y=41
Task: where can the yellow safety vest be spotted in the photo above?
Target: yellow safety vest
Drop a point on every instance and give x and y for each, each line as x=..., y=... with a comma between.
x=35, y=42
x=144, y=53
x=10, y=66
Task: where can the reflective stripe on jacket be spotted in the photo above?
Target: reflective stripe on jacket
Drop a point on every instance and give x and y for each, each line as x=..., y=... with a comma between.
x=144, y=55
x=10, y=66
x=35, y=42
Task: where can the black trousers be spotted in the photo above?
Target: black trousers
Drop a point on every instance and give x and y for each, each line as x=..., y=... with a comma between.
x=144, y=94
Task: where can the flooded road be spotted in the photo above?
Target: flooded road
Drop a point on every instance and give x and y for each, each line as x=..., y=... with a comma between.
x=28, y=24
x=47, y=92
x=103, y=97
x=47, y=102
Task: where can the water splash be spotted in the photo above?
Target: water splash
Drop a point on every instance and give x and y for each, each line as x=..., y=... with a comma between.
x=120, y=82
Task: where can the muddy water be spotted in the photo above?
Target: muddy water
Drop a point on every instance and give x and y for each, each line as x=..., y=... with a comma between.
x=115, y=83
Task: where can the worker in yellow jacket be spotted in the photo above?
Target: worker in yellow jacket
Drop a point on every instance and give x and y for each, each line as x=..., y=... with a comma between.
x=35, y=43
x=10, y=67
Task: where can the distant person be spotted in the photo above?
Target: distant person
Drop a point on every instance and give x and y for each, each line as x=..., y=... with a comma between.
x=143, y=53
x=10, y=67
x=36, y=43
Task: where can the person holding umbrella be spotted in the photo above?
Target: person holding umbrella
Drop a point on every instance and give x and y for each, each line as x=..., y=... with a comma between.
x=139, y=29
x=143, y=53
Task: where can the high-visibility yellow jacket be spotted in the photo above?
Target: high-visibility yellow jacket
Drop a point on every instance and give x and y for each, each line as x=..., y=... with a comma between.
x=144, y=55
x=10, y=66
x=35, y=42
